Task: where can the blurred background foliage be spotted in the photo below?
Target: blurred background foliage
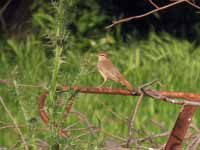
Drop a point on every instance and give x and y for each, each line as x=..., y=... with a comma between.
x=88, y=18
x=162, y=46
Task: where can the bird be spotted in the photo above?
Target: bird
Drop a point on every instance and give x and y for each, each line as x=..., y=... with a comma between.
x=109, y=72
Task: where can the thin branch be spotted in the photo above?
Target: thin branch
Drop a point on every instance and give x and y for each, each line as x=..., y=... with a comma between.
x=150, y=137
x=192, y=4
x=86, y=133
x=194, y=127
x=72, y=125
x=145, y=14
x=2, y=10
x=146, y=148
x=11, y=126
x=120, y=138
x=151, y=12
x=69, y=105
x=195, y=143
x=161, y=125
x=15, y=123
x=83, y=118
x=13, y=83
x=131, y=120
x=118, y=116
x=79, y=129
x=31, y=86
x=152, y=3
x=14, y=146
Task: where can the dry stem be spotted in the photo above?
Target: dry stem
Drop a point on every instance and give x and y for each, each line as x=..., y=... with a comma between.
x=15, y=123
x=151, y=12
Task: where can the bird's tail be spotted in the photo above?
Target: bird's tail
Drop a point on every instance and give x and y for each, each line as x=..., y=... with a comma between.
x=128, y=85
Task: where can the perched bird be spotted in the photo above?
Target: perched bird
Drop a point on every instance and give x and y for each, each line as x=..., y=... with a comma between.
x=110, y=72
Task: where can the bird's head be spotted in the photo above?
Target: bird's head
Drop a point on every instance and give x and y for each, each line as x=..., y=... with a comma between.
x=102, y=55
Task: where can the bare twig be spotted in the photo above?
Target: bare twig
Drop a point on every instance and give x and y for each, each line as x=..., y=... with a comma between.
x=135, y=110
x=192, y=125
x=42, y=145
x=120, y=138
x=14, y=146
x=11, y=126
x=150, y=137
x=151, y=12
x=69, y=105
x=152, y=3
x=161, y=125
x=146, y=148
x=192, y=4
x=83, y=118
x=195, y=143
x=86, y=133
x=15, y=123
x=131, y=120
x=145, y=14
x=14, y=83
x=2, y=10
x=71, y=125
x=118, y=116
x=79, y=129
x=31, y=86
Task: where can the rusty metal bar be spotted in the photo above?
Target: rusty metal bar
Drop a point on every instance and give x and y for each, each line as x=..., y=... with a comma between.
x=180, y=128
x=182, y=123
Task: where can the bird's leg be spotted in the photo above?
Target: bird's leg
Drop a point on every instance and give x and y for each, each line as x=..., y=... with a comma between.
x=105, y=79
x=111, y=85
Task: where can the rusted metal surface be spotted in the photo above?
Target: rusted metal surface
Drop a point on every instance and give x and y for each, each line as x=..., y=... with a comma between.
x=182, y=123
x=180, y=128
x=106, y=90
x=184, y=95
x=43, y=114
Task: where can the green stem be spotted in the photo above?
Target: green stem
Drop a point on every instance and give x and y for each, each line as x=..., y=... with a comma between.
x=60, y=32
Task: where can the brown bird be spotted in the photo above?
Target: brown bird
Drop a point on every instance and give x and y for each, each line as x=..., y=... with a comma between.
x=110, y=72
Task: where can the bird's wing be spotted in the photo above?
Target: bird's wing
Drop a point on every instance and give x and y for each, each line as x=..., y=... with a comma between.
x=118, y=77
x=112, y=71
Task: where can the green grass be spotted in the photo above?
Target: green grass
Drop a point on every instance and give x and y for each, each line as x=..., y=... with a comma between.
x=54, y=57
x=174, y=62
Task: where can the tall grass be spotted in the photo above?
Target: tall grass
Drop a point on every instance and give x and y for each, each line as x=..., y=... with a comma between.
x=173, y=61
x=60, y=36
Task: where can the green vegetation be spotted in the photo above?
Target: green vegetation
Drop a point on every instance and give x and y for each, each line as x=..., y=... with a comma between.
x=57, y=56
